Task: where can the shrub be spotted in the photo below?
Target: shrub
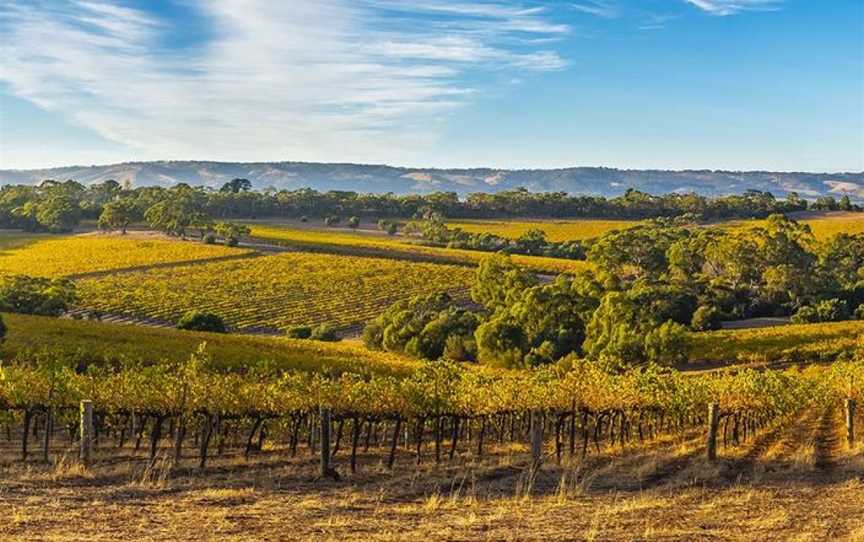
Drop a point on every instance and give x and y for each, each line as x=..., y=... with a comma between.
x=324, y=332
x=209, y=239
x=299, y=332
x=829, y=310
x=706, y=318
x=859, y=312
x=353, y=222
x=34, y=295
x=202, y=321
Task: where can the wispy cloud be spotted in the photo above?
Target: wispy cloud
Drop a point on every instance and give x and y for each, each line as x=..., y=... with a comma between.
x=275, y=79
x=608, y=9
x=731, y=7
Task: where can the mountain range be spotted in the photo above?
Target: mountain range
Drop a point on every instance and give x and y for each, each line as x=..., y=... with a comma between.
x=598, y=181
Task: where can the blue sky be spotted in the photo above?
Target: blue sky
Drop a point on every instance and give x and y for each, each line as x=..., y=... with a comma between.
x=714, y=84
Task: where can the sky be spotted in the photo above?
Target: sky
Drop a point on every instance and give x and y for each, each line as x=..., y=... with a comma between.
x=673, y=84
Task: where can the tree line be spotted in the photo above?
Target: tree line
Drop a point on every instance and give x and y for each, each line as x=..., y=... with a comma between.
x=59, y=206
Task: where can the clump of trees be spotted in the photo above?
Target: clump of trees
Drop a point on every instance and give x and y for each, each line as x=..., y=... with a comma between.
x=649, y=287
x=36, y=295
x=202, y=321
x=434, y=231
x=322, y=332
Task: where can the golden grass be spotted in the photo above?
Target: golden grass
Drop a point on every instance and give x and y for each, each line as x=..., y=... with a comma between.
x=275, y=497
x=58, y=256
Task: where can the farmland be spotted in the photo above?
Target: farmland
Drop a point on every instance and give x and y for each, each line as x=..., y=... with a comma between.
x=556, y=230
x=273, y=292
x=71, y=255
x=823, y=225
x=398, y=247
x=801, y=343
x=106, y=344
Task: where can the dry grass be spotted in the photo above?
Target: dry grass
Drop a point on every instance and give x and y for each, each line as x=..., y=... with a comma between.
x=661, y=490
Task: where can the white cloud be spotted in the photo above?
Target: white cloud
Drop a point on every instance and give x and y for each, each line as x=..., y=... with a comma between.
x=607, y=9
x=731, y=7
x=317, y=79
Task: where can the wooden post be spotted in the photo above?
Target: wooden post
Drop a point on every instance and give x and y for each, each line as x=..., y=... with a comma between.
x=850, y=422
x=536, y=438
x=713, y=423
x=325, y=442
x=86, y=432
x=46, y=440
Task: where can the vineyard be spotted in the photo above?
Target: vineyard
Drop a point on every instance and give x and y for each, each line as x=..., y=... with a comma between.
x=397, y=248
x=273, y=292
x=555, y=230
x=795, y=343
x=73, y=255
x=581, y=408
x=104, y=344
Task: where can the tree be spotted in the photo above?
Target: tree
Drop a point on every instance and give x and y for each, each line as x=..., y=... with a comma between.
x=231, y=233
x=180, y=209
x=118, y=215
x=499, y=282
x=845, y=204
x=202, y=321
x=706, y=318
x=235, y=186
x=353, y=222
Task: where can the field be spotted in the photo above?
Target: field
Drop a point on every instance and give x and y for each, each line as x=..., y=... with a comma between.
x=823, y=225
x=109, y=344
x=795, y=343
x=63, y=256
x=793, y=479
x=273, y=292
x=376, y=244
x=556, y=230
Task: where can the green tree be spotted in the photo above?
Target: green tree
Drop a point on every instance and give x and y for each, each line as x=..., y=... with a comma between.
x=118, y=215
x=202, y=321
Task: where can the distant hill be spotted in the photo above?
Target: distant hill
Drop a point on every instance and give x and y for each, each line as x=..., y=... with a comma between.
x=402, y=180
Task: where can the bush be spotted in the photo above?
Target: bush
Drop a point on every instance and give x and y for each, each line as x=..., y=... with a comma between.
x=706, y=318
x=209, y=239
x=324, y=332
x=829, y=310
x=299, y=332
x=202, y=321
x=331, y=220
x=668, y=344
x=859, y=312
x=353, y=222
x=34, y=295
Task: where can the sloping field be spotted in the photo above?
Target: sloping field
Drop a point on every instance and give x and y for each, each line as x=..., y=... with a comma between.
x=274, y=292
x=61, y=256
x=394, y=247
x=803, y=342
x=111, y=343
